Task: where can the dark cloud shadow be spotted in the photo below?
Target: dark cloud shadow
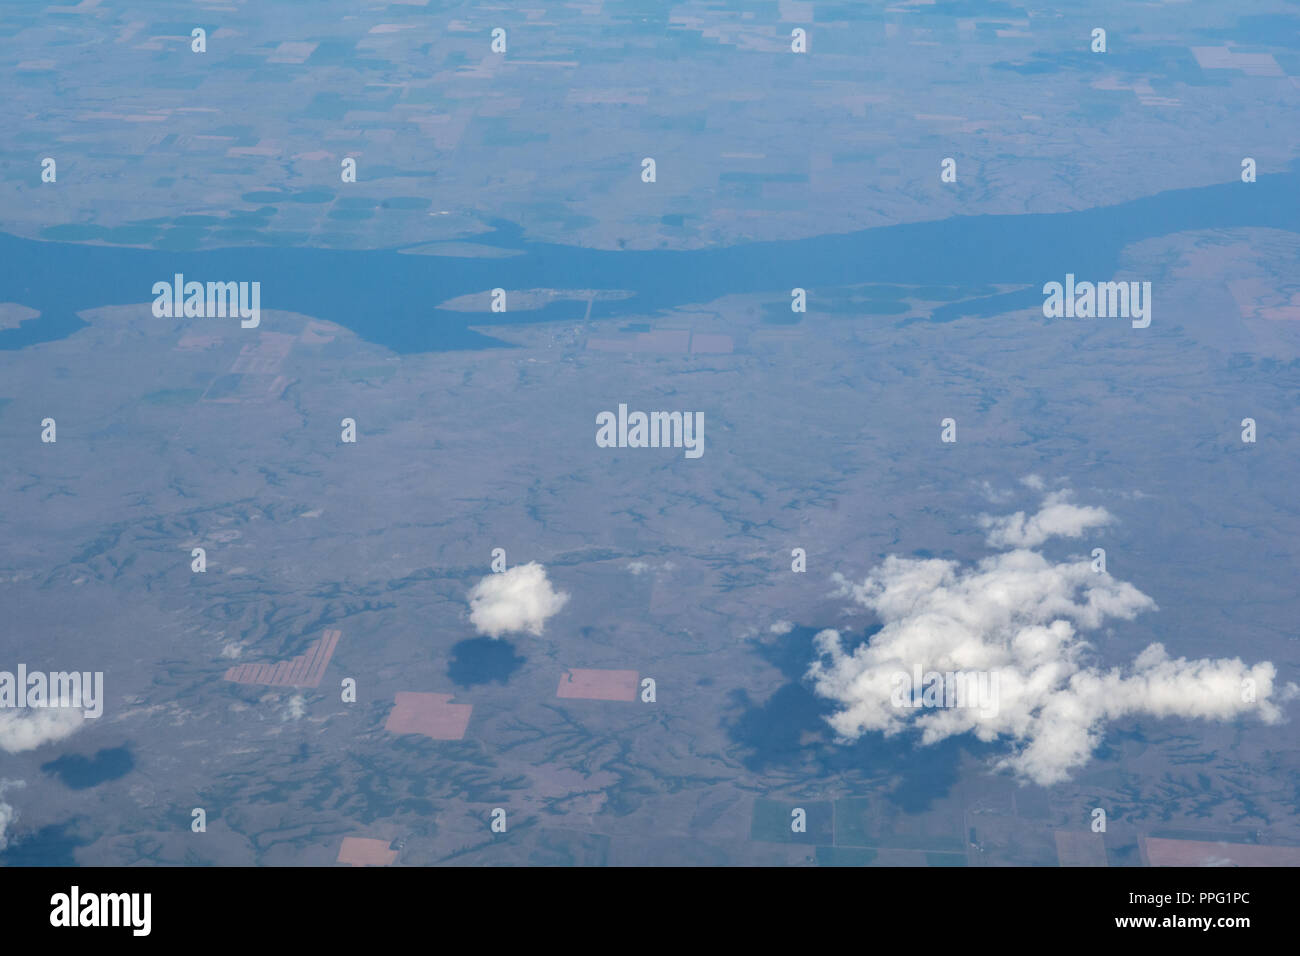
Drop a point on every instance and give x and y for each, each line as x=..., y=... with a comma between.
x=770, y=733
x=82, y=773
x=482, y=660
x=53, y=845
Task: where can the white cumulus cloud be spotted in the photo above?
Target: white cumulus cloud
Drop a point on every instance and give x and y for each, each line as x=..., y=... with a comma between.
x=7, y=813
x=1056, y=517
x=1020, y=617
x=519, y=599
x=295, y=708
x=30, y=728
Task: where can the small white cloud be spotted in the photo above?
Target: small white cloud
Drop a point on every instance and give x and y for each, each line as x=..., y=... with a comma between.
x=1056, y=517
x=295, y=708
x=31, y=728
x=7, y=813
x=1034, y=482
x=782, y=627
x=994, y=495
x=520, y=599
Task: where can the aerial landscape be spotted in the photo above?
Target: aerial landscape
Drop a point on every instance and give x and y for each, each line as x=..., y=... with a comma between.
x=595, y=433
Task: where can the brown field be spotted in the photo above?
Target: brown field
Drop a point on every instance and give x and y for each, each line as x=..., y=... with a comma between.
x=1157, y=851
x=361, y=851
x=598, y=685
x=305, y=670
x=430, y=714
x=1080, y=848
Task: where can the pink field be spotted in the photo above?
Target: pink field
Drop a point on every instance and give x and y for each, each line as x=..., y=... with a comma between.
x=360, y=851
x=598, y=685
x=430, y=714
x=305, y=670
x=1161, y=852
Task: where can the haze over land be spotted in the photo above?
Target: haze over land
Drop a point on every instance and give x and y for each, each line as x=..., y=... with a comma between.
x=519, y=681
